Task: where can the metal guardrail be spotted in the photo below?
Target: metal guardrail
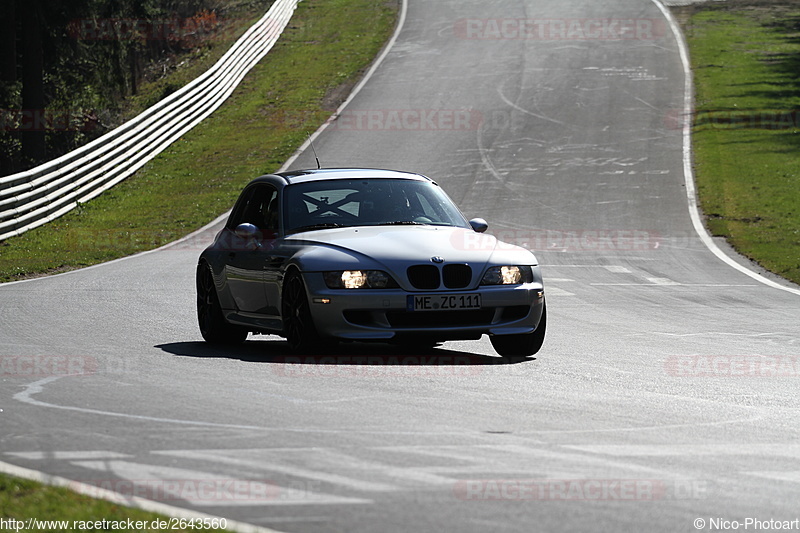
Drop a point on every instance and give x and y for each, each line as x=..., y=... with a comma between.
x=37, y=196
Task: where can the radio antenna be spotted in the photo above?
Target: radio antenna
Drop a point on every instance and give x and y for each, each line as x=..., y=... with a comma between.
x=315, y=152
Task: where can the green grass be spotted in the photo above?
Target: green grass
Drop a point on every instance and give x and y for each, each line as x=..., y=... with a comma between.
x=324, y=50
x=21, y=500
x=746, y=63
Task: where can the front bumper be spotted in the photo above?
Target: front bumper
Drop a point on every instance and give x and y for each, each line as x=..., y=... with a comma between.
x=373, y=314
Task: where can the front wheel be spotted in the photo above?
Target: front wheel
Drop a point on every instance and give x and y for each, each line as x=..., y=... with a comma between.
x=298, y=326
x=213, y=326
x=524, y=344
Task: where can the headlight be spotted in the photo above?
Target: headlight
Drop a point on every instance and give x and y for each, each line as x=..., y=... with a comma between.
x=359, y=279
x=507, y=275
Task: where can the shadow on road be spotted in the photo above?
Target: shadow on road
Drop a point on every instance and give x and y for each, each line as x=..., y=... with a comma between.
x=356, y=353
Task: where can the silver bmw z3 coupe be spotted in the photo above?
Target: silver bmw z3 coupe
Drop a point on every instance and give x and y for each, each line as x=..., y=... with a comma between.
x=326, y=255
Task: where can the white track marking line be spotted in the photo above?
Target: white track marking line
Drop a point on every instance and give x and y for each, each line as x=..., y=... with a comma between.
x=672, y=284
x=638, y=429
x=25, y=396
x=203, y=488
x=792, y=476
x=555, y=291
x=694, y=450
x=691, y=192
x=240, y=459
x=68, y=456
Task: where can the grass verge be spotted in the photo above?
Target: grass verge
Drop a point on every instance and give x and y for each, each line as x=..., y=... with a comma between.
x=324, y=50
x=60, y=509
x=746, y=62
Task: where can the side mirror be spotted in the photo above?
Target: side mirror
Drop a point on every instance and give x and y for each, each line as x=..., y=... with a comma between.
x=250, y=234
x=479, y=225
x=246, y=231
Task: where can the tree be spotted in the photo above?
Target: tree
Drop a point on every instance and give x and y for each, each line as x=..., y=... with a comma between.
x=8, y=44
x=33, y=103
x=77, y=59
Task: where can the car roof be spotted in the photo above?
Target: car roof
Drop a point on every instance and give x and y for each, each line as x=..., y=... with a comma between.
x=322, y=174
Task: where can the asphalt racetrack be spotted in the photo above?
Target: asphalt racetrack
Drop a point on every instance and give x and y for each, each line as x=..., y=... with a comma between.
x=664, y=399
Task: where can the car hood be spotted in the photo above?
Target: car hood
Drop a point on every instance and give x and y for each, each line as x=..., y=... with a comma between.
x=397, y=246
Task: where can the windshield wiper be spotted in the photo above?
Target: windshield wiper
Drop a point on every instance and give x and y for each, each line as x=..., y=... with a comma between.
x=312, y=227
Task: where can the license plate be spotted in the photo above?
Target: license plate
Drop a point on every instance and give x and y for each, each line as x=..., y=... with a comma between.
x=443, y=302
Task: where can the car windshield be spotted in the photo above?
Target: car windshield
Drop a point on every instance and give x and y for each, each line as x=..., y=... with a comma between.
x=367, y=202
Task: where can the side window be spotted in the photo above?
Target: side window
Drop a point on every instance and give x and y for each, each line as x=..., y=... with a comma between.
x=258, y=206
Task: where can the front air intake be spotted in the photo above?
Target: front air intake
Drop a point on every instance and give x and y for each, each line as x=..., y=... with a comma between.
x=423, y=277
x=457, y=276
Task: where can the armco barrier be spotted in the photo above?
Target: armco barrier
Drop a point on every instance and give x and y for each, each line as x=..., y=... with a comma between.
x=37, y=196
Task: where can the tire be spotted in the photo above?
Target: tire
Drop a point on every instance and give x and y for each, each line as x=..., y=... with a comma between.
x=298, y=325
x=213, y=326
x=524, y=344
